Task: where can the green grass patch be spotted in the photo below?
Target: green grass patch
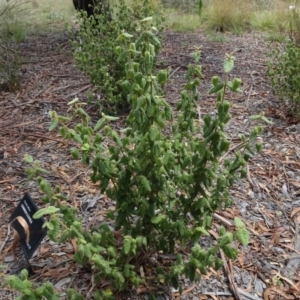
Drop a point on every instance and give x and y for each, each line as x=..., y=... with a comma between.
x=237, y=16
x=275, y=17
x=182, y=22
x=35, y=16
x=274, y=20
x=217, y=37
x=272, y=36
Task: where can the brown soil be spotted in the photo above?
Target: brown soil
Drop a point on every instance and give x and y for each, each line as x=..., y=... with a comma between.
x=267, y=201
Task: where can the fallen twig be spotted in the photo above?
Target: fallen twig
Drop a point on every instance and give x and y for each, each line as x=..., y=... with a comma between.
x=79, y=91
x=6, y=239
x=232, y=284
x=175, y=71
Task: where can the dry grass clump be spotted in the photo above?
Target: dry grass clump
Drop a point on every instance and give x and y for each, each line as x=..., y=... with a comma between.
x=238, y=15
x=228, y=15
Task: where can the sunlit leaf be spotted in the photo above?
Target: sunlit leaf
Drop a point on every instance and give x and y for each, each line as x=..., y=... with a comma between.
x=45, y=211
x=238, y=222
x=157, y=219
x=28, y=158
x=242, y=235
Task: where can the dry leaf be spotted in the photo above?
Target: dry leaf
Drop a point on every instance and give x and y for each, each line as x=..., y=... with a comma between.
x=282, y=293
x=44, y=250
x=262, y=227
x=73, y=241
x=276, y=237
x=268, y=294
x=295, y=211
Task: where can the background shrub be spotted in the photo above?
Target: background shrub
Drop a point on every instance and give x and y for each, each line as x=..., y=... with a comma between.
x=283, y=70
x=12, y=33
x=95, y=44
x=284, y=66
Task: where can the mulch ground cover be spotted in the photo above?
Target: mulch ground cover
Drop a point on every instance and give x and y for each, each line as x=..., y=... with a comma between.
x=268, y=200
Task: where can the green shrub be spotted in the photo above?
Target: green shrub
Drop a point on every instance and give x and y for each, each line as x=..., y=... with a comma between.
x=167, y=178
x=25, y=286
x=94, y=48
